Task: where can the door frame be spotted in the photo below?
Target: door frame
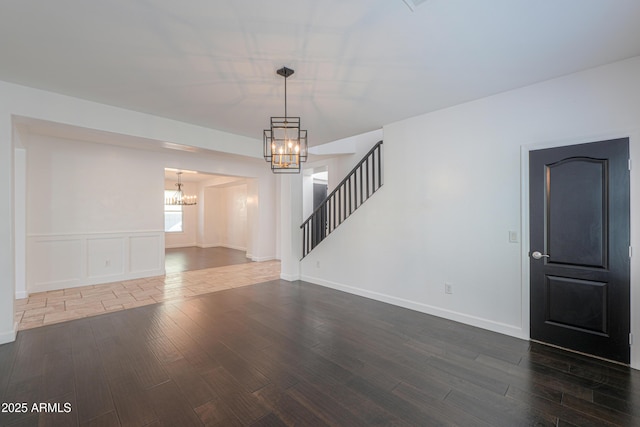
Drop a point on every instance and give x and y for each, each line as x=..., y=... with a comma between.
x=634, y=194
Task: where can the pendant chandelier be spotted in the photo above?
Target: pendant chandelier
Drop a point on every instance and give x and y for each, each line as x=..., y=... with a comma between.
x=285, y=144
x=178, y=198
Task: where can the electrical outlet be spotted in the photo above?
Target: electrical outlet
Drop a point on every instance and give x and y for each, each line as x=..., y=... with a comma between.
x=448, y=288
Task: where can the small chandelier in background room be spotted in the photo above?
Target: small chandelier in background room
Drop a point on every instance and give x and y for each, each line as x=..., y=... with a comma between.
x=178, y=198
x=285, y=144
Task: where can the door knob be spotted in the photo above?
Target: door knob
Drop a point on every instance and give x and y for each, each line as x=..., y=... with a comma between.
x=538, y=255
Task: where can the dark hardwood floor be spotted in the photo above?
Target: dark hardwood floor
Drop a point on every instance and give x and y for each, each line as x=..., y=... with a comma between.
x=195, y=258
x=281, y=353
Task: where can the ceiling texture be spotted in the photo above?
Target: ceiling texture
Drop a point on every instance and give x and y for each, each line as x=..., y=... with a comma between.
x=359, y=64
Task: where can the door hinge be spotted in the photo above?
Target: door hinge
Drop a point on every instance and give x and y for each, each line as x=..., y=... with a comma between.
x=630, y=251
x=630, y=339
x=629, y=164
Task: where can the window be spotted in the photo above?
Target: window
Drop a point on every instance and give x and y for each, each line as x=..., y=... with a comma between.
x=172, y=215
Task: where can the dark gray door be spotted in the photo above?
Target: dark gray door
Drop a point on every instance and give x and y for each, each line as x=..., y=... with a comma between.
x=319, y=194
x=320, y=225
x=579, y=258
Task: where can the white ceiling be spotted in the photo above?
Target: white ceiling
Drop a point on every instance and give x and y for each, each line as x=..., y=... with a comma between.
x=359, y=64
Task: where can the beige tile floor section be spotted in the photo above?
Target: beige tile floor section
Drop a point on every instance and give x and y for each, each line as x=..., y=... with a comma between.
x=45, y=308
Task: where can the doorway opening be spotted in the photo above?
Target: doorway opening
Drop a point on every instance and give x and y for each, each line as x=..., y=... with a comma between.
x=315, y=189
x=211, y=233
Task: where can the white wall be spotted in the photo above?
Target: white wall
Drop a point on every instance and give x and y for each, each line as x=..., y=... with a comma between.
x=225, y=216
x=289, y=220
x=8, y=325
x=453, y=191
x=82, y=187
x=234, y=226
x=210, y=218
x=94, y=214
x=259, y=226
x=20, y=207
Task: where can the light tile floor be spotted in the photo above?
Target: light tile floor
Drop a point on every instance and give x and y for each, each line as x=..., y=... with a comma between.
x=45, y=308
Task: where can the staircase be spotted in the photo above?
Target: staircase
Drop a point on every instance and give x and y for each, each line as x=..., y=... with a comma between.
x=360, y=184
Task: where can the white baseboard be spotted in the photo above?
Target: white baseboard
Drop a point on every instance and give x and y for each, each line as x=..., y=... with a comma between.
x=237, y=248
x=207, y=245
x=217, y=245
x=98, y=280
x=289, y=277
x=9, y=336
x=181, y=245
x=261, y=259
x=22, y=294
x=479, y=322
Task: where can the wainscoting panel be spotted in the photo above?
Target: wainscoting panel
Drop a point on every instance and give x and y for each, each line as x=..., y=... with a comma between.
x=67, y=261
x=55, y=262
x=105, y=257
x=146, y=253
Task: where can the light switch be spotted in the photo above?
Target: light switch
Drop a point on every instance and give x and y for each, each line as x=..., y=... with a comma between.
x=513, y=236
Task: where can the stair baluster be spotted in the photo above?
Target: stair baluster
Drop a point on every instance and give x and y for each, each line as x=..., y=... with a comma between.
x=360, y=184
